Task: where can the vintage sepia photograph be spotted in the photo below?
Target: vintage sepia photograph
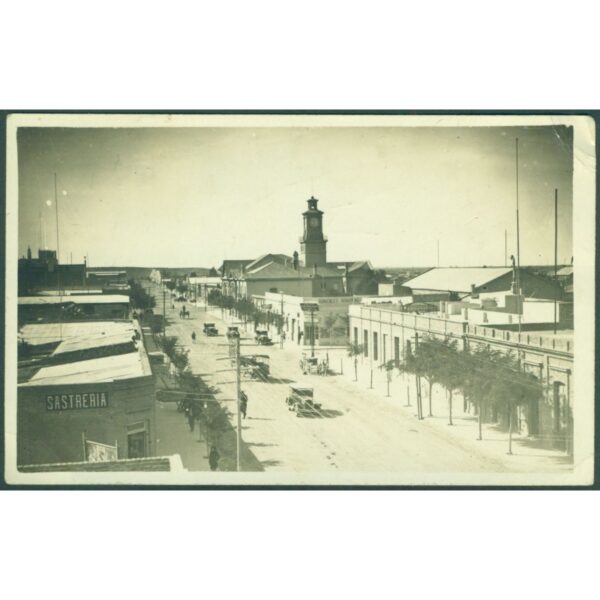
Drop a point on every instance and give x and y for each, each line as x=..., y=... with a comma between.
x=300, y=300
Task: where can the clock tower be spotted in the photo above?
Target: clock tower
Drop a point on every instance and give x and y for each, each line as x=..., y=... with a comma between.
x=313, y=243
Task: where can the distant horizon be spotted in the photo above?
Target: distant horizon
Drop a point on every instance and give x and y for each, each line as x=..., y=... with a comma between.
x=204, y=195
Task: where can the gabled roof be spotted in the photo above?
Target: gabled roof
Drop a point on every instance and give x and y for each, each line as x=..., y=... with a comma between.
x=234, y=265
x=278, y=258
x=274, y=270
x=456, y=279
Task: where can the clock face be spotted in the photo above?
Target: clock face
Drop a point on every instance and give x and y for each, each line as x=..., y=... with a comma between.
x=313, y=222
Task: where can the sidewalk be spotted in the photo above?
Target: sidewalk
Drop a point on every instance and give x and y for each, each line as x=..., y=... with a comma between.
x=527, y=453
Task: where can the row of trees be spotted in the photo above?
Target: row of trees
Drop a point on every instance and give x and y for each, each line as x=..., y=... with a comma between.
x=139, y=297
x=488, y=379
x=245, y=309
x=197, y=397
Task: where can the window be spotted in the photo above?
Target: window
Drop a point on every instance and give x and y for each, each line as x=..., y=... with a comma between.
x=366, y=342
x=356, y=335
x=375, y=346
x=397, y=351
x=383, y=348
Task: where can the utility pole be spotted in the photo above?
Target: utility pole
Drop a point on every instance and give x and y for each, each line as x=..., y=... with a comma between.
x=238, y=377
x=518, y=275
x=164, y=309
x=438, y=253
x=60, y=307
x=555, y=251
x=505, y=249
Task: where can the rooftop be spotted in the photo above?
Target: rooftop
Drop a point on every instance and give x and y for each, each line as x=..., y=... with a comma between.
x=48, y=333
x=83, y=299
x=456, y=279
x=98, y=340
x=97, y=370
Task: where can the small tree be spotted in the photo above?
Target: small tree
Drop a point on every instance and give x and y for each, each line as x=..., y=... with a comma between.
x=513, y=387
x=354, y=351
x=450, y=373
x=389, y=368
x=478, y=375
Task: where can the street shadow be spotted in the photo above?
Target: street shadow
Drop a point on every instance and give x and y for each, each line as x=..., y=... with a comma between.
x=278, y=380
x=270, y=463
x=323, y=413
x=260, y=445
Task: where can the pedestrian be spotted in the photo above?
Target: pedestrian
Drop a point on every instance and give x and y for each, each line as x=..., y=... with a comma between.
x=191, y=420
x=193, y=337
x=213, y=458
x=243, y=404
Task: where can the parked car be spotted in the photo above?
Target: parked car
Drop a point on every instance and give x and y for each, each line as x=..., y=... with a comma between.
x=233, y=331
x=210, y=329
x=300, y=399
x=261, y=337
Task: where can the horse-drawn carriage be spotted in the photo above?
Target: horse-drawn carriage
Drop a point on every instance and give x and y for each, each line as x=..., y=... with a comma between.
x=300, y=399
x=255, y=366
x=309, y=364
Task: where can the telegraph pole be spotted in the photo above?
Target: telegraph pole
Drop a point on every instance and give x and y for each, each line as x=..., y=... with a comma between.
x=555, y=251
x=238, y=377
x=58, y=262
x=164, y=308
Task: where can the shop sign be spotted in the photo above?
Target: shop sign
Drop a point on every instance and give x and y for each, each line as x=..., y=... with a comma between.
x=62, y=402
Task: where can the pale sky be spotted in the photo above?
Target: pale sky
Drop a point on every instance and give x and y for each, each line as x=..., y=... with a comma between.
x=174, y=197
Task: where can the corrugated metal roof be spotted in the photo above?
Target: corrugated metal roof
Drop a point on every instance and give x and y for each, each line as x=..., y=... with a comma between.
x=84, y=299
x=97, y=370
x=456, y=279
x=99, y=340
x=48, y=333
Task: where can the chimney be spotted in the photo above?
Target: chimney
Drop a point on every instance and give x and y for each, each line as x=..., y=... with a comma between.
x=295, y=260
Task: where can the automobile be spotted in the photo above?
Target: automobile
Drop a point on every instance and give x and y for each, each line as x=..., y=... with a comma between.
x=210, y=329
x=180, y=299
x=255, y=366
x=262, y=338
x=300, y=399
x=233, y=331
x=309, y=364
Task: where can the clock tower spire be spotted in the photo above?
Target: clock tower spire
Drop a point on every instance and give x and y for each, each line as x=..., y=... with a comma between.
x=313, y=243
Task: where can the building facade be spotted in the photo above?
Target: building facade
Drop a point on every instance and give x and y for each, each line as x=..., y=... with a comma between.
x=387, y=334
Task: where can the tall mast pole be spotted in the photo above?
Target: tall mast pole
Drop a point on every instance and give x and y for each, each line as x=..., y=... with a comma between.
x=58, y=261
x=518, y=276
x=518, y=235
x=555, y=250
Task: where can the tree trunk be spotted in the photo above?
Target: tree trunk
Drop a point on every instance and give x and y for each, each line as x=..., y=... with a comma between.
x=510, y=428
x=479, y=420
x=356, y=369
x=450, y=408
x=430, y=390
